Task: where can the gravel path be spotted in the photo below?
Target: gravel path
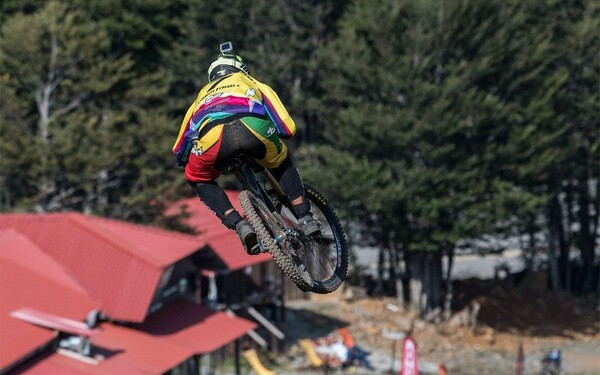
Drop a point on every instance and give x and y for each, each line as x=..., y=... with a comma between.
x=461, y=351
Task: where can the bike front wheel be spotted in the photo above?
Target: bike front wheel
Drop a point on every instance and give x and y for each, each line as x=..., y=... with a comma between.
x=325, y=255
x=316, y=263
x=273, y=235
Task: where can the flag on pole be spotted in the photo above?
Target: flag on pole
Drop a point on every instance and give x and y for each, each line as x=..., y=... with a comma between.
x=409, y=357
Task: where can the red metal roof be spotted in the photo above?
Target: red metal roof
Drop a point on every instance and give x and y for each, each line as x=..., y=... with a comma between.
x=30, y=278
x=48, y=263
x=197, y=327
x=126, y=351
x=140, y=350
x=118, y=263
x=57, y=364
x=229, y=249
x=169, y=337
x=222, y=241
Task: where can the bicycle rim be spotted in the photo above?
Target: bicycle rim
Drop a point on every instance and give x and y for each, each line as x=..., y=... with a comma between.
x=271, y=233
x=324, y=256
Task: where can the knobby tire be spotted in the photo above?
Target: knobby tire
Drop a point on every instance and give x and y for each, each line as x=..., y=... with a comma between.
x=330, y=266
x=266, y=229
x=309, y=266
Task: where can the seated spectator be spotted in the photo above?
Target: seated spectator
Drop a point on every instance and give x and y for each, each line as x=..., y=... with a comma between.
x=355, y=353
x=339, y=353
x=332, y=350
x=346, y=336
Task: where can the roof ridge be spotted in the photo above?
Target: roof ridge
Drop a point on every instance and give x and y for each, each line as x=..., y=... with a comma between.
x=143, y=227
x=83, y=220
x=65, y=270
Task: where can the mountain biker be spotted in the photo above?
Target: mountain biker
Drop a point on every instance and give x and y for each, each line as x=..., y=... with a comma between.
x=235, y=114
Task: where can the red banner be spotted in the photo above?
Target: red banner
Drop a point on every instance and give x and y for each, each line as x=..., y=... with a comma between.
x=409, y=357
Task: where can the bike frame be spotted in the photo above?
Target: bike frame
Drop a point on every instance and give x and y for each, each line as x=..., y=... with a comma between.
x=247, y=171
x=263, y=200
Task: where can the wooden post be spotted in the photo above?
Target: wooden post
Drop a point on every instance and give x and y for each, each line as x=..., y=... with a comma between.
x=237, y=357
x=198, y=292
x=394, y=336
x=520, y=360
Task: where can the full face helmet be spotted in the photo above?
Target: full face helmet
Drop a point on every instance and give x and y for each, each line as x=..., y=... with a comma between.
x=226, y=63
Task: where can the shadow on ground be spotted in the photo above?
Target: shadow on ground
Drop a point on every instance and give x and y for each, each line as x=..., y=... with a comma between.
x=301, y=323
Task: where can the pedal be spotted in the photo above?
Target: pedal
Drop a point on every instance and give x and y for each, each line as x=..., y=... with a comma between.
x=262, y=247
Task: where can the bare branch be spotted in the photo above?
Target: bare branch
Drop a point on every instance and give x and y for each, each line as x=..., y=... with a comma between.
x=75, y=103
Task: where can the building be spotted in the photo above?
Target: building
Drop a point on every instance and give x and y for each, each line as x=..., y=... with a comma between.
x=82, y=294
x=251, y=286
x=233, y=264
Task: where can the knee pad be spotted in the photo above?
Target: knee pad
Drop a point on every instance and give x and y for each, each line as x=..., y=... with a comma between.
x=288, y=177
x=213, y=197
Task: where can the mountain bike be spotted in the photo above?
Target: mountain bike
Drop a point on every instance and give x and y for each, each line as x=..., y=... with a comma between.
x=316, y=263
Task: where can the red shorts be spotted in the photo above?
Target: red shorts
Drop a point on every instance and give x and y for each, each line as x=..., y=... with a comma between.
x=251, y=139
x=201, y=168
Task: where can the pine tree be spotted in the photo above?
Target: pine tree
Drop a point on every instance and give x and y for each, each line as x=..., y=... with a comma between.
x=58, y=70
x=418, y=97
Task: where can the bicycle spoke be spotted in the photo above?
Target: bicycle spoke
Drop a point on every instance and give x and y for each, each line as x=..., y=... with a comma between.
x=319, y=260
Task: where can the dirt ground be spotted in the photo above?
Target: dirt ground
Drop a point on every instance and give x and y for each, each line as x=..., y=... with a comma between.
x=507, y=317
